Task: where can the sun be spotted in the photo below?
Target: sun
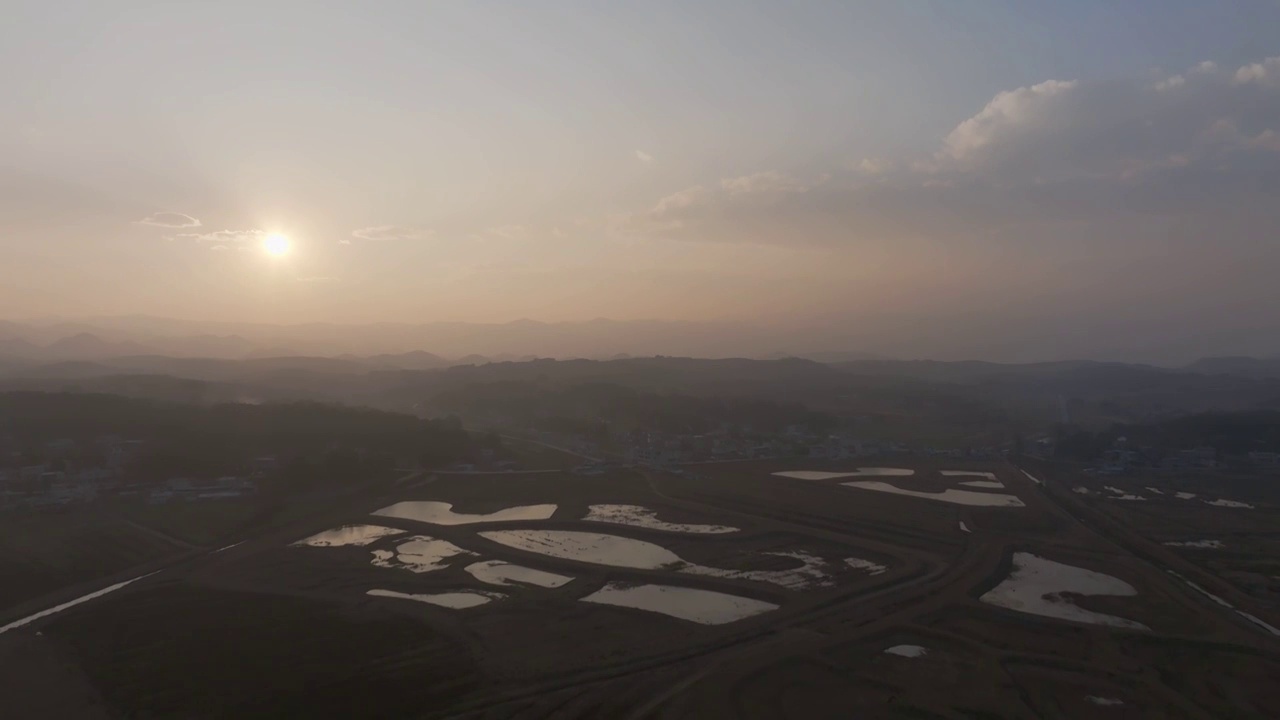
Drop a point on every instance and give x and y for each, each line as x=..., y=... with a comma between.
x=277, y=245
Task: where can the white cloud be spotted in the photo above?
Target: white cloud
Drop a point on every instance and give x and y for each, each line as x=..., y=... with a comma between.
x=875, y=166
x=172, y=220
x=644, y=157
x=1266, y=73
x=762, y=182
x=381, y=233
x=1205, y=146
x=1007, y=112
x=224, y=239
x=509, y=232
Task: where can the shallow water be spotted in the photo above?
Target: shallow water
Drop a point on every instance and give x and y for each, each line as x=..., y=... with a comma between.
x=1184, y=495
x=588, y=547
x=497, y=572
x=950, y=495
x=705, y=607
x=1229, y=504
x=419, y=554
x=1122, y=495
x=908, y=651
x=812, y=573
x=459, y=600
x=643, y=517
x=871, y=568
x=1203, y=544
x=615, y=551
x=70, y=604
x=1036, y=584
x=860, y=472
x=358, y=535
x=441, y=513
x=1081, y=490
x=963, y=527
x=968, y=473
x=985, y=484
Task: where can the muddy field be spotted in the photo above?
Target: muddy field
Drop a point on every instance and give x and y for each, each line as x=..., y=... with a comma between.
x=755, y=590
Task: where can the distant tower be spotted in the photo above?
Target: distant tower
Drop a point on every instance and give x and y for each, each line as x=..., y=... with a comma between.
x=1062, y=406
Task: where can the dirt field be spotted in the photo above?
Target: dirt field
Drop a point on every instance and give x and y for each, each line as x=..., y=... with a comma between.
x=834, y=577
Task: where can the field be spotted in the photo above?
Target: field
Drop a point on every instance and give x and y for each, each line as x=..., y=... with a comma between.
x=724, y=590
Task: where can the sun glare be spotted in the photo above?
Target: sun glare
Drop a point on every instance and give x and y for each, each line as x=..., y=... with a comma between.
x=276, y=245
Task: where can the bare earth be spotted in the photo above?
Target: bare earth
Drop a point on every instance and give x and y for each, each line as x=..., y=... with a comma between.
x=270, y=629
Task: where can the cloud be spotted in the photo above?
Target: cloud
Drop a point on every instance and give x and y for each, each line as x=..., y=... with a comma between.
x=509, y=232
x=644, y=157
x=1266, y=73
x=223, y=239
x=1203, y=144
x=382, y=233
x=173, y=220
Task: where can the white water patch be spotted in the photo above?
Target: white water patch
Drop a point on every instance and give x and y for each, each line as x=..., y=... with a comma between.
x=453, y=600
x=985, y=484
x=860, y=472
x=1229, y=504
x=907, y=651
x=950, y=495
x=615, y=551
x=72, y=603
x=1036, y=586
x=1154, y=491
x=497, y=572
x=441, y=513
x=968, y=473
x=1123, y=495
x=358, y=535
x=642, y=517
x=588, y=547
x=963, y=527
x=419, y=554
x=1030, y=477
x=1105, y=702
x=871, y=568
x=1080, y=490
x=1185, y=496
x=705, y=607
x=1260, y=623
x=1203, y=544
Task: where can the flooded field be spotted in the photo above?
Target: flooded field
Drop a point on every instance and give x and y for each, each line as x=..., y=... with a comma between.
x=441, y=513
x=967, y=473
x=643, y=517
x=1201, y=544
x=1229, y=504
x=860, y=472
x=589, y=547
x=455, y=600
x=1039, y=586
x=358, y=535
x=419, y=554
x=497, y=572
x=907, y=651
x=700, y=606
x=614, y=551
x=950, y=495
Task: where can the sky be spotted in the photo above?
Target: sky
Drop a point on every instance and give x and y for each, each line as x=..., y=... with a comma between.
x=1095, y=177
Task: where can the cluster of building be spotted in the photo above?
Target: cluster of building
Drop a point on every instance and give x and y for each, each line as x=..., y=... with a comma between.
x=1123, y=458
x=642, y=447
x=71, y=472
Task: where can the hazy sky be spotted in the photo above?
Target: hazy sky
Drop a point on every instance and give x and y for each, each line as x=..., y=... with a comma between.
x=895, y=167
